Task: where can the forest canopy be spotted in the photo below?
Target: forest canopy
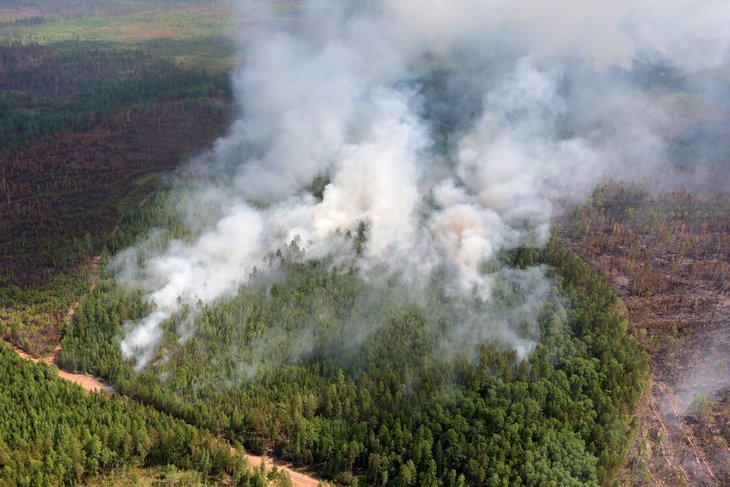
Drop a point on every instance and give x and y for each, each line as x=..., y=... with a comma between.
x=393, y=409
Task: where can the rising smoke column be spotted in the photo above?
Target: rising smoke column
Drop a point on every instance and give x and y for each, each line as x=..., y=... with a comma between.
x=343, y=91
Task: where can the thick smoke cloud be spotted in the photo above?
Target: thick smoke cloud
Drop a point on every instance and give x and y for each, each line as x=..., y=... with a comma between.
x=446, y=129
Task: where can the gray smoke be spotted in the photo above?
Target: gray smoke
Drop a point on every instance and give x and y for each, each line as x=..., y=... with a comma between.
x=448, y=129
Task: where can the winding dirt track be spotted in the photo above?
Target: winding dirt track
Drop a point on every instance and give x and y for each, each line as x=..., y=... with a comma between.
x=92, y=384
x=86, y=381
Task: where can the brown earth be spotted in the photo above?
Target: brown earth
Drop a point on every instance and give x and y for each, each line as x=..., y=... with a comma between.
x=88, y=382
x=668, y=258
x=298, y=479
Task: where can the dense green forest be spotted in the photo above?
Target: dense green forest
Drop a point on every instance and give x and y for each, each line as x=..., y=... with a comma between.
x=54, y=433
x=396, y=409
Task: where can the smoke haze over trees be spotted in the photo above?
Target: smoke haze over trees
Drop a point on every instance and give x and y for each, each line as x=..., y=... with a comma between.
x=360, y=276
x=441, y=135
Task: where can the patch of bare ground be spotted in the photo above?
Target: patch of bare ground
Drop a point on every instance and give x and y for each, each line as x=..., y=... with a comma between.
x=668, y=258
x=298, y=478
x=88, y=382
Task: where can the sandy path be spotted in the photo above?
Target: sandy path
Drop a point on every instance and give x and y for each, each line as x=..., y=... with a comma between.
x=298, y=479
x=92, y=384
x=86, y=381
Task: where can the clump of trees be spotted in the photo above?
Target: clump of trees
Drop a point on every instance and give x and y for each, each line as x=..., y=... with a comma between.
x=54, y=433
x=274, y=368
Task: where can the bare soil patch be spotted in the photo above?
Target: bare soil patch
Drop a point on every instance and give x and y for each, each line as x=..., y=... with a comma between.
x=298, y=479
x=88, y=382
x=668, y=258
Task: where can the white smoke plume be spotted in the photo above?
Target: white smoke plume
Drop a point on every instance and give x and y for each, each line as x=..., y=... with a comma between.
x=540, y=100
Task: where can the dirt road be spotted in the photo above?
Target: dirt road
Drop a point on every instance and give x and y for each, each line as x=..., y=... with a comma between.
x=92, y=384
x=86, y=381
x=298, y=479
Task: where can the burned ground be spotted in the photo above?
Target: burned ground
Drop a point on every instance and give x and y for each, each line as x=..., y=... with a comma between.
x=668, y=257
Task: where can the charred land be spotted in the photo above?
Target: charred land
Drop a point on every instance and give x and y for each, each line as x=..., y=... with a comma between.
x=666, y=255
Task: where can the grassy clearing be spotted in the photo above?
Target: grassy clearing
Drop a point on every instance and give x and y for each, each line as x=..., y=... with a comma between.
x=214, y=54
